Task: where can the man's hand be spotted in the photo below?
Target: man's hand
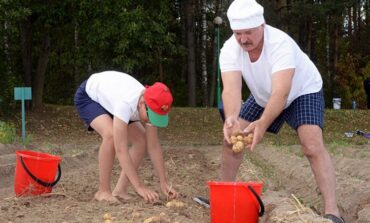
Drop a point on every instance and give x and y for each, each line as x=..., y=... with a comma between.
x=231, y=125
x=147, y=194
x=258, y=129
x=169, y=191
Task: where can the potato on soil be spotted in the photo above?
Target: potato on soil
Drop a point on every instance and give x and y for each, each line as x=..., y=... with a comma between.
x=175, y=204
x=107, y=216
x=156, y=219
x=152, y=219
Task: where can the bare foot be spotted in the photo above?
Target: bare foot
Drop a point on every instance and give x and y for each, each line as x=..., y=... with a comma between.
x=105, y=196
x=123, y=195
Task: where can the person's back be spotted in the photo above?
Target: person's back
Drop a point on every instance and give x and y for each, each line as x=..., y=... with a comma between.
x=117, y=92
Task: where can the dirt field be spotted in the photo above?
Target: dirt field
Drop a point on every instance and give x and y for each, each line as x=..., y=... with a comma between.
x=289, y=194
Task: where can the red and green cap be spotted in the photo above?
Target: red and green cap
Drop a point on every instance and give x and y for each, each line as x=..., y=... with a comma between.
x=158, y=99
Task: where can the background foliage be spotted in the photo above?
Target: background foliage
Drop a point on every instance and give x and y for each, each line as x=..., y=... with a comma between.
x=53, y=45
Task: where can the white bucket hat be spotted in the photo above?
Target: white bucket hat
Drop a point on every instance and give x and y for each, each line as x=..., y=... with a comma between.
x=245, y=14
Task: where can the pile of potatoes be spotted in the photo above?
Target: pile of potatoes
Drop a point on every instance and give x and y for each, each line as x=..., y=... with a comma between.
x=240, y=141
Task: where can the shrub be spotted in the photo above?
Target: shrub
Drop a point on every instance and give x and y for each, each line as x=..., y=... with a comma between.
x=7, y=133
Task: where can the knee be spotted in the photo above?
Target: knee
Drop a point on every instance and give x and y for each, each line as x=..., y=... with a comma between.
x=139, y=141
x=107, y=137
x=313, y=149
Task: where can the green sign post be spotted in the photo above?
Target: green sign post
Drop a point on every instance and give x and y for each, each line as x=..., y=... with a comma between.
x=23, y=93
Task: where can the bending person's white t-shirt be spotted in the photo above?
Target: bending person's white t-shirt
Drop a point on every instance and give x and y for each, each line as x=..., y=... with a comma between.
x=117, y=92
x=279, y=52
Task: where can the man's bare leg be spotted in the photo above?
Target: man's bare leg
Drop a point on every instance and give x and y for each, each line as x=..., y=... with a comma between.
x=230, y=163
x=314, y=149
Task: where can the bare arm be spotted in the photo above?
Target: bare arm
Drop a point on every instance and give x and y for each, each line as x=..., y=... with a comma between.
x=120, y=137
x=156, y=155
x=281, y=85
x=231, y=98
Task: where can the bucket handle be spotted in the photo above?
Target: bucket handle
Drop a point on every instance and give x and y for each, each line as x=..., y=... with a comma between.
x=262, y=207
x=45, y=184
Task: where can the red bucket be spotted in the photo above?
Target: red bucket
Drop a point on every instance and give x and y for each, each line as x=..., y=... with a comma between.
x=35, y=173
x=236, y=202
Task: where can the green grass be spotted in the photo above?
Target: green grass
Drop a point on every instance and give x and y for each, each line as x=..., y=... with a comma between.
x=193, y=126
x=203, y=126
x=199, y=126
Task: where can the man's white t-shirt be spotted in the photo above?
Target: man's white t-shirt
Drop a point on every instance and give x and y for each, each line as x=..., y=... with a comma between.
x=279, y=52
x=117, y=92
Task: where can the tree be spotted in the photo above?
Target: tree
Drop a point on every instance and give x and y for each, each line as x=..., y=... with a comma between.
x=189, y=24
x=203, y=53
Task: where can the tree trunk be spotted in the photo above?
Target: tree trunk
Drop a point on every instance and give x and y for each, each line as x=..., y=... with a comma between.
x=184, y=59
x=77, y=74
x=6, y=50
x=39, y=79
x=358, y=19
x=204, y=54
x=336, y=40
x=160, y=67
x=27, y=51
x=366, y=9
x=349, y=30
x=328, y=49
x=189, y=24
x=309, y=37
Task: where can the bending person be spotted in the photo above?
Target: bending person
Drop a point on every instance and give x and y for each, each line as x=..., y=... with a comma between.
x=122, y=111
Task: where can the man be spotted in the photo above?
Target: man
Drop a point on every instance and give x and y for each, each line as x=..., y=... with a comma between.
x=122, y=111
x=285, y=86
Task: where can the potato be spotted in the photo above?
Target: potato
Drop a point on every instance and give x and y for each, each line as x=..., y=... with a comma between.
x=240, y=141
x=248, y=139
x=239, y=137
x=233, y=139
x=107, y=216
x=153, y=219
x=238, y=146
x=238, y=149
x=175, y=203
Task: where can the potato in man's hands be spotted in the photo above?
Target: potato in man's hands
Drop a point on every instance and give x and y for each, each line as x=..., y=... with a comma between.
x=238, y=146
x=233, y=139
x=248, y=139
x=241, y=141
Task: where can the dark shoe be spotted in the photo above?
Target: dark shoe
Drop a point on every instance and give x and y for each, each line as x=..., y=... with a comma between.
x=334, y=218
